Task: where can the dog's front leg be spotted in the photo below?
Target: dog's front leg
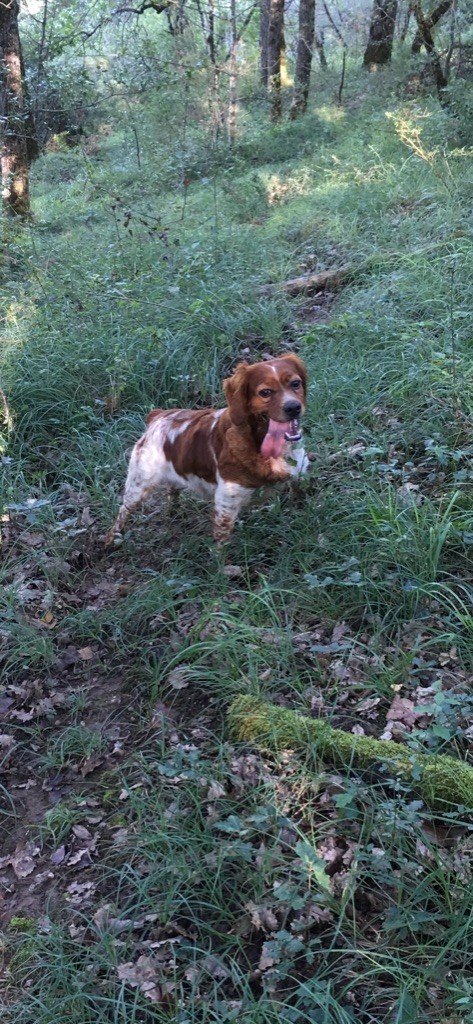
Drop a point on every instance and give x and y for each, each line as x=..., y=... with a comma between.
x=297, y=461
x=230, y=498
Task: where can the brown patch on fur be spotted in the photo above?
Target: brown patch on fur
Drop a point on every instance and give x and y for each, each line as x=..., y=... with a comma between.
x=195, y=450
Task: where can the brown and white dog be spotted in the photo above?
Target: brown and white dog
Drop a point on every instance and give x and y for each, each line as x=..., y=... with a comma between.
x=224, y=454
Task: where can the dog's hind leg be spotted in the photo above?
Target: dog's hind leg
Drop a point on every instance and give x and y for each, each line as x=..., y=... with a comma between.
x=145, y=475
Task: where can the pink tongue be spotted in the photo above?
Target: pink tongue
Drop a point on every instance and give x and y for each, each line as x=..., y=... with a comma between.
x=275, y=439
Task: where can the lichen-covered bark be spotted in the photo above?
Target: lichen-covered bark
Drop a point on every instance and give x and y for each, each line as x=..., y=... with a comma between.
x=305, y=43
x=381, y=35
x=14, y=151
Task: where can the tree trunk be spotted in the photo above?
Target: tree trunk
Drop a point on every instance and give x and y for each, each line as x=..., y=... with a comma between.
x=430, y=21
x=275, y=44
x=380, y=41
x=14, y=154
x=305, y=44
x=209, y=32
x=425, y=30
x=232, y=78
x=264, y=42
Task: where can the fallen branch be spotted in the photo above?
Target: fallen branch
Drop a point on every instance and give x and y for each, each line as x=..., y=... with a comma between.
x=7, y=416
x=308, y=284
x=439, y=780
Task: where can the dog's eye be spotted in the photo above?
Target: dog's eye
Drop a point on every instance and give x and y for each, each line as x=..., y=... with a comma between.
x=265, y=393
x=295, y=384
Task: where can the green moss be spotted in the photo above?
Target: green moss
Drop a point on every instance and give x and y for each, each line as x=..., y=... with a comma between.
x=439, y=780
x=23, y=924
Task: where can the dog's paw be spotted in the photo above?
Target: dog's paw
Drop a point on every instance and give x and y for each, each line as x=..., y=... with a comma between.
x=112, y=539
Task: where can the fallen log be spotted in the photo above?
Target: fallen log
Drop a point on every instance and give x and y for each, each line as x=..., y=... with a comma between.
x=309, y=284
x=440, y=780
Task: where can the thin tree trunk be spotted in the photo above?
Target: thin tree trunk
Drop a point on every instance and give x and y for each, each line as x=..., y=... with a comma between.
x=40, y=61
x=305, y=44
x=342, y=77
x=275, y=43
x=451, y=45
x=381, y=35
x=215, y=88
x=319, y=46
x=232, y=79
x=208, y=28
x=264, y=42
x=14, y=154
x=335, y=27
x=431, y=20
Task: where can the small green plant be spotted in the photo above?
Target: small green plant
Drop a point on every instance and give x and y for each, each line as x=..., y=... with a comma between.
x=76, y=743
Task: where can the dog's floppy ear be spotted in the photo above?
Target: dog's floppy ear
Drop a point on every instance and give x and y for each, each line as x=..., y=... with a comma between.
x=299, y=366
x=236, y=393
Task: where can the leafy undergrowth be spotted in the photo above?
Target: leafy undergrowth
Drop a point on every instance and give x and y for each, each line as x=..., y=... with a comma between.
x=151, y=870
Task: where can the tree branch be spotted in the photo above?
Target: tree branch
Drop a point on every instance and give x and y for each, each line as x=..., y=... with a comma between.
x=335, y=27
x=147, y=5
x=241, y=30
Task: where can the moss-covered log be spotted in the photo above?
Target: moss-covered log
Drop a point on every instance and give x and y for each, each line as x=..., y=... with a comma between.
x=441, y=781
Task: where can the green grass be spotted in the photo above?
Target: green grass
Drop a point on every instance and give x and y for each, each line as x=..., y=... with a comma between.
x=214, y=862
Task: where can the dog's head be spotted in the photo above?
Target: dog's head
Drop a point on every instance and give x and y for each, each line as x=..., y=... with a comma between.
x=271, y=391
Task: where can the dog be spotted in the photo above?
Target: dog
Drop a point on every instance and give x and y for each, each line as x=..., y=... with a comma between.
x=224, y=454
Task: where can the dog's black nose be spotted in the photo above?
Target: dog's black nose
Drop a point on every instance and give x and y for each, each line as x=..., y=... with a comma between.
x=292, y=409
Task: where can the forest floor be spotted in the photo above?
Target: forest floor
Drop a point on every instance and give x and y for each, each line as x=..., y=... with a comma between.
x=151, y=869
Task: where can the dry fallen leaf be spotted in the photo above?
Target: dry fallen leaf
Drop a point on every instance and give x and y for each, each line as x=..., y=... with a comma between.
x=81, y=832
x=80, y=892
x=214, y=967
x=86, y=519
x=22, y=716
x=215, y=791
x=338, y=631
x=408, y=494
x=262, y=918
x=32, y=539
x=266, y=961
x=402, y=710
x=85, y=653
x=22, y=860
x=82, y=858
x=141, y=975
x=59, y=855
x=180, y=677
x=233, y=572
